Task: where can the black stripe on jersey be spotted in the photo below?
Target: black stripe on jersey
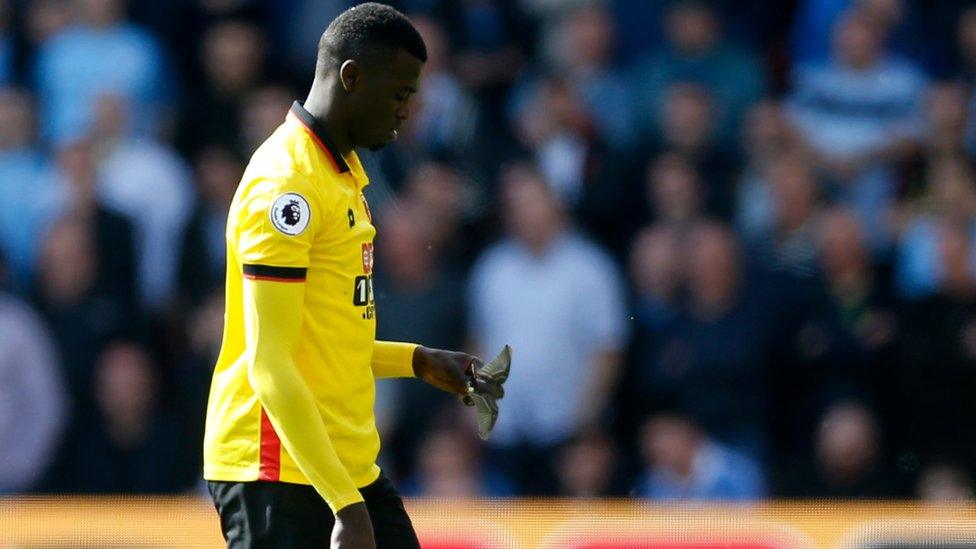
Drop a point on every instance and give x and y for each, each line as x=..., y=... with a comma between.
x=267, y=272
x=318, y=131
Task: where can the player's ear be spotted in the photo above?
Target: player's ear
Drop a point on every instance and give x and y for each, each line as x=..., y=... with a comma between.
x=349, y=75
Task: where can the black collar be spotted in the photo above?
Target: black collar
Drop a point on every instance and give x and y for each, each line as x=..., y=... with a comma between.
x=318, y=133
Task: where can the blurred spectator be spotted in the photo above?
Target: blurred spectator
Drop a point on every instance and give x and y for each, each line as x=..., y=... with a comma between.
x=711, y=360
x=82, y=318
x=945, y=483
x=683, y=463
x=936, y=374
x=899, y=19
x=580, y=50
x=560, y=132
x=843, y=343
x=695, y=52
x=556, y=299
x=149, y=183
x=450, y=465
x=688, y=124
x=790, y=242
x=72, y=72
x=766, y=136
x=586, y=467
x=262, y=111
x=674, y=192
x=454, y=207
x=33, y=400
x=444, y=120
x=946, y=117
x=203, y=251
x=44, y=19
x=233, y=62
x=419, y=298
x=848, y=458
x=77, y=184
x=861, y=114
x=25, y=198
x=951, y=198
x=131, y=446
x=489, y=40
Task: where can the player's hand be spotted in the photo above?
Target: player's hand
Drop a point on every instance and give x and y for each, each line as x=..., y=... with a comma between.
x=447, y=370
x=353, y=529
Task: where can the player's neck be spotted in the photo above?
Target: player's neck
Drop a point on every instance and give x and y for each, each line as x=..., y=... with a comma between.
x=321, y=104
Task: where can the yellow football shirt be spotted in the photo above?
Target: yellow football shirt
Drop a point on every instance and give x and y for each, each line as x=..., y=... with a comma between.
x=299, y=357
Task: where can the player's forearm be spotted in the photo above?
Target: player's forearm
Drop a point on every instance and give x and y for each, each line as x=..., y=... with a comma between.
x=272, y=329
x=393, y=359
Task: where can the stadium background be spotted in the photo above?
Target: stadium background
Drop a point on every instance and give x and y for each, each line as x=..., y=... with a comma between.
x=732, y=243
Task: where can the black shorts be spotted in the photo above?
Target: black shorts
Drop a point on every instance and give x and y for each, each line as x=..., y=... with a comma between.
x=290, y=516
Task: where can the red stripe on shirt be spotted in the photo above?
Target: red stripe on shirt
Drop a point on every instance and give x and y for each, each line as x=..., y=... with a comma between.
x=317, y=140
x=274, y=278
x=270, y=451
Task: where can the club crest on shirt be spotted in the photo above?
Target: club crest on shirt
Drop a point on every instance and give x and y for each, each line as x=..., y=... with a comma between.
x=367, y=257
x=290, y=213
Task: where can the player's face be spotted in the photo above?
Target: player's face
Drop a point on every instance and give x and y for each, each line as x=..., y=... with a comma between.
x=383, y=102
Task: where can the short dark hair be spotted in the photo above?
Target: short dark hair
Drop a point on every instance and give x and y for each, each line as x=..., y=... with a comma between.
x=363, y=30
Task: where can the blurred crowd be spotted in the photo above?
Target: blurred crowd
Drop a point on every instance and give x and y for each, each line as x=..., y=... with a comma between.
x=733, y=244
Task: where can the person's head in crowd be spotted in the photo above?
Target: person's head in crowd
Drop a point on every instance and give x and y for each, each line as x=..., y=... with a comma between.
x=438, y=190
x=687, y=117
x=77, y=165
x=947, y=114
x=261, y=114
x=953, y=186
x=584, y=39
x=847, y=443
x=585, y=466
x=16, y=119
x=858, y=39
x=218, y=170
x=844, y=253
x=955, y=252
x=68, y=264
x=407, y=245
x=233, y=57
x=556, y=109
x=449, y=463
x=669, y=442
x=100, y=13
x=674, y=190
x=945, y=482
x=656, y=266
x=533, y=213
x=45, y=18
x=692, y=27
x=766, y=131
x=794, y=191
x=126, y=391
x=714, y=269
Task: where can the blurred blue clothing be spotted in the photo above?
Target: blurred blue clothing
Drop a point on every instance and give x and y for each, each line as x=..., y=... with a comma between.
x=844, y=113
x=28, y=201
x=718, y=473
x=734, y=77
x=918, y=267
x=80, y=64
x=557, y=311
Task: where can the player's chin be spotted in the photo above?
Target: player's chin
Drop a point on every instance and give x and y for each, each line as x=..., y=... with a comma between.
x=384, y=141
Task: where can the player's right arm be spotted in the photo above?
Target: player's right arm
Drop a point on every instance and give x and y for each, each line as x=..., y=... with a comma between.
x=274, y=254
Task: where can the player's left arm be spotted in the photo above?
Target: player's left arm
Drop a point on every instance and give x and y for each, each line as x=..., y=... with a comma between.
x=446, y=370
